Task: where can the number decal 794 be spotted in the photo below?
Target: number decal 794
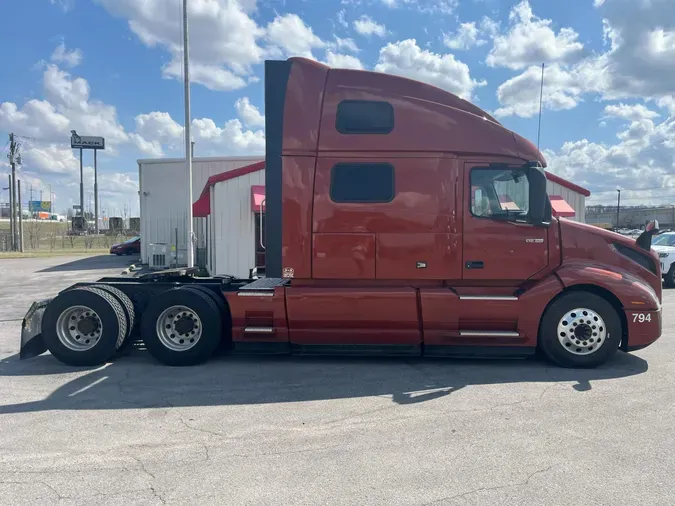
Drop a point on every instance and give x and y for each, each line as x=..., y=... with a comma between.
x=642, y=317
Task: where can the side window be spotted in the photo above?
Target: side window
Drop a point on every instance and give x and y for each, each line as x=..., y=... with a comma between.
x=362, y=183
x=499, y=193
x=364, y=117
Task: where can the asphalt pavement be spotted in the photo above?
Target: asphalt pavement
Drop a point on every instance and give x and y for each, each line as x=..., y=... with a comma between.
x=309, y=431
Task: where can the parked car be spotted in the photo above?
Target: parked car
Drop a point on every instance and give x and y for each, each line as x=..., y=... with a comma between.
x=664, y=245
x=129, y=247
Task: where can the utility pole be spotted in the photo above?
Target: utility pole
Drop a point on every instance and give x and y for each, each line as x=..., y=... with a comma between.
x=188, y=145
x=20, y=248
x=11, y=215
x=618, y=207
x=81, y=187
x=95, y=194
x=13, y=155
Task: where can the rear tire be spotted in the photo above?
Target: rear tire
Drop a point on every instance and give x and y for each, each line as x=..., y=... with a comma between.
x=87, y=336
x=127, y=305
x=670, y=277
x=181, y=327
x=580, y=330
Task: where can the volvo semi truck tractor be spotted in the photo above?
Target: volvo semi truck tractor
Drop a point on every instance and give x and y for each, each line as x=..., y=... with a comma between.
x=400, y=220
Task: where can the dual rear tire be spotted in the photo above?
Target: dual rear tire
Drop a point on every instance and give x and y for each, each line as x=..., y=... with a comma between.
x=88, y=325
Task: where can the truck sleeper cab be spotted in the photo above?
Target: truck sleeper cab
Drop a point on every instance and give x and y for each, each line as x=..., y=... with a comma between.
x=401, y=220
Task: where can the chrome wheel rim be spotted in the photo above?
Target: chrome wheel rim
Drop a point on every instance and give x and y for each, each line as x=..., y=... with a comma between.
x=582, y=331
x=79, y=328
x=179, y=328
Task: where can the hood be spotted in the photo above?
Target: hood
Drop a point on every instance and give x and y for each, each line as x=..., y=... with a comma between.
x=596, y=245
x=663, y=249
x=607, y=235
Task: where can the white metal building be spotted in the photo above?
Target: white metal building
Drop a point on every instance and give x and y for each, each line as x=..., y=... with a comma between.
x=162, y=193
x=567, y=199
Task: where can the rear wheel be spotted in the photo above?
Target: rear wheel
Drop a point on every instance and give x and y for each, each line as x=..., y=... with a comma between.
x=127, y=305
x=181, y=326
x=84, y=326
x=580, y=329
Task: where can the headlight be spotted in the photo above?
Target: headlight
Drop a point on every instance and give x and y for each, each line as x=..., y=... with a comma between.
x=663, y=255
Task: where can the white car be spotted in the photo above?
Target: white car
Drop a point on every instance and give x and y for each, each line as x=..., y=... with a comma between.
x=664, y=245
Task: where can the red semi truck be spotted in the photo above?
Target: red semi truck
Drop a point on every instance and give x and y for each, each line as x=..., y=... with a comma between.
x=400, y=220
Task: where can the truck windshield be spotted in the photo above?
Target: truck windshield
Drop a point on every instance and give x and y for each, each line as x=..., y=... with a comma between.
x=499, y=193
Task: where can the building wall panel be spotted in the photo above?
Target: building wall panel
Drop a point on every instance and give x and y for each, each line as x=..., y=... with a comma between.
x=234, y=236
x=162, y=196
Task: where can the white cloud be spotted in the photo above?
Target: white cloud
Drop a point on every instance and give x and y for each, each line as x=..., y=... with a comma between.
x=644, y=157
x=467, y=36
x=406, y=58
x=531, y=40
x=231, y=138
x=365, y=25
x=346, y=44
x=249, y=113
x=70, y=58
x=345, y=61
x=224, y=39
x=519, y=95
x=66, y=5
x=424, y=6
x=635, y=112
x=341, y=18
x=642, y=35
x=214, y=77
x=290, y=34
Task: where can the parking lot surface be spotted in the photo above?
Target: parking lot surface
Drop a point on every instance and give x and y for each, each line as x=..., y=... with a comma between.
x=307, y=431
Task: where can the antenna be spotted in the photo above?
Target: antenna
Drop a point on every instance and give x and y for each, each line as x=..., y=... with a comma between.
x=541, y=100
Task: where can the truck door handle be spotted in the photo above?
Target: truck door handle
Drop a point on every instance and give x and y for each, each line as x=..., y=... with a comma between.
x=474, y=264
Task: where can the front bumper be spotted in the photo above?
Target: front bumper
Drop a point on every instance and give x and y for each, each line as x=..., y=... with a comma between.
x=644, y=328
x=32, y=343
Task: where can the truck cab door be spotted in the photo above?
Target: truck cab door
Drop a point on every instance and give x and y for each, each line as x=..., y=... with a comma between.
x=499, y=240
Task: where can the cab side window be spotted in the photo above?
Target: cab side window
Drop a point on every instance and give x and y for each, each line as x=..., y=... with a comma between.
x=499, y=193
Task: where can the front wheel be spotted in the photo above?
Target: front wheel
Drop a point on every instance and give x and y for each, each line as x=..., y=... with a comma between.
x=580, y=330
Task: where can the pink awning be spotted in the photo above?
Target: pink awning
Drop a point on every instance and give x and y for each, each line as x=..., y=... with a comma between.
x=560, y=207
x=257, y=197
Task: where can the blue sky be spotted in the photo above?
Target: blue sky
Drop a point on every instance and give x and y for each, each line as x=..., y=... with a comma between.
x=112, y=68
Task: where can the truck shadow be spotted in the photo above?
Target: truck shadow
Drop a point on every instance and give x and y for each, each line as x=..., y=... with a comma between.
x=136, y=381
x=93, y=263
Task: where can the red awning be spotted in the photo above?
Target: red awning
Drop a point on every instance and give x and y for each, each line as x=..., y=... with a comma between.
x=202, y=207
x=257, y=197
x=560, y=207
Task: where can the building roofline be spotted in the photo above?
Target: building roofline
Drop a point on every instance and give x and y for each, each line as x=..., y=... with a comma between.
x=253, y=158
x=567, y=184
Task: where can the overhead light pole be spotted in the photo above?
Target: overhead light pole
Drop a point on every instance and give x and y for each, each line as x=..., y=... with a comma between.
x=618, y=207
x=188, y=140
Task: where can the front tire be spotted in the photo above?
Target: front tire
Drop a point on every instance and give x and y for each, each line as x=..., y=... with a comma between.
x=580, y=330
x=181, y=327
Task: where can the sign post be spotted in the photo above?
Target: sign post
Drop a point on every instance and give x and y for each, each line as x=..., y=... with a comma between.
x=86, y=142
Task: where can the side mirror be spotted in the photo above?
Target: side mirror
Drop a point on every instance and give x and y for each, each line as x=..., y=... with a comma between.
x=645, y=239
x=540, y=205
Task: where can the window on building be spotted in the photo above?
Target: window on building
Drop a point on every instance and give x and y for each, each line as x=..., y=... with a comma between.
x=362, y=182
x=499, y=193
x=364, y=117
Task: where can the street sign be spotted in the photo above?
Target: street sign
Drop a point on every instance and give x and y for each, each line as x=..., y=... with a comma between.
x=35, y=206
x=86, y=142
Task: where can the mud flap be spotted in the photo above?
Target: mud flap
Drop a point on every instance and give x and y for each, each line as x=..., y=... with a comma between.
x=32, y=343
